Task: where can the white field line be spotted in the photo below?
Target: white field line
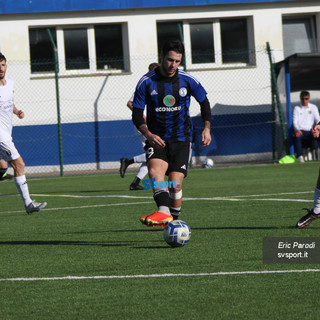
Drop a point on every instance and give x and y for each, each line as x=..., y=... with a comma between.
x=232, y=198
x=165, y=275
x=150, y=197
x=274, y=194
x=89, y=206
x=285, y=200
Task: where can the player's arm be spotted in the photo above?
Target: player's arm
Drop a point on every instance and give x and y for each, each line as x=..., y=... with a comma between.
x=206, y=117
x=129, y=105
x=18, y=113
x=316, y=130
x=296, y=132
x=139, y=122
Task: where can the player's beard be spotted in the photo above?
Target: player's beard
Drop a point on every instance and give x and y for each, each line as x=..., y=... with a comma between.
x=170, y=71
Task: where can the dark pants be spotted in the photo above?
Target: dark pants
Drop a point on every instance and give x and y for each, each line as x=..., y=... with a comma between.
x=306, y=140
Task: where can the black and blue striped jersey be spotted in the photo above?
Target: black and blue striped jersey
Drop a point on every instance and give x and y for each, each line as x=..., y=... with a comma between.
x=168, y=101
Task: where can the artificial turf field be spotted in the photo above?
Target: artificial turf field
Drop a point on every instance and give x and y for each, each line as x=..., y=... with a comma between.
x=86, y=256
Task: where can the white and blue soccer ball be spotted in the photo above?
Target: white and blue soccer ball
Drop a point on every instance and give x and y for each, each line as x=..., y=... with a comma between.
x=177, y=233
x=207, y=163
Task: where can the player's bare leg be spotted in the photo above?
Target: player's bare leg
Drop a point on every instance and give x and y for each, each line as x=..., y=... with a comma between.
x=157, y=170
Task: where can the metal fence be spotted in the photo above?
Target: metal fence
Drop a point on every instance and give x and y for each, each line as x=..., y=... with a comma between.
x=79, y=122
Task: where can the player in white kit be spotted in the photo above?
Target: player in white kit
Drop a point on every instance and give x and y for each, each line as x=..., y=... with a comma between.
x=8, y=151
x=141, y=158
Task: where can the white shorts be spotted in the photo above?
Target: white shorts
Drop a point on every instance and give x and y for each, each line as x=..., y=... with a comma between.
x=8, y=151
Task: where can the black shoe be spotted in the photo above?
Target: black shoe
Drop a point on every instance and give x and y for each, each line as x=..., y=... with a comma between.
x=135, y=184
x=6, y=176
x=135, y=187
x=307, y=219
x=124, y=163
x=174, y=217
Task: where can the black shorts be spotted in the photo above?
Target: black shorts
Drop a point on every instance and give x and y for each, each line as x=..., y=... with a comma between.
x=176, y=153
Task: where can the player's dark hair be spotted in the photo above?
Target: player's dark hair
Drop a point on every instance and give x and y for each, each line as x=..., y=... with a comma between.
x=172, y=45
x=2, y=57
x=304, y=94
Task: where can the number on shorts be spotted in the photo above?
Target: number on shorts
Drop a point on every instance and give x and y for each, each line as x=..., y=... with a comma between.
x=150, y=152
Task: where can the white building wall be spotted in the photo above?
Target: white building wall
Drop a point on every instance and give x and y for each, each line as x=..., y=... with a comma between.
x=83, y=96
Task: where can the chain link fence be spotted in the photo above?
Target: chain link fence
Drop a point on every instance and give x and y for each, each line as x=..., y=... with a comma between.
x=83, y=125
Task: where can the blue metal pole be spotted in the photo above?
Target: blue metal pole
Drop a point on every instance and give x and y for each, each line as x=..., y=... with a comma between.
x=289, y=108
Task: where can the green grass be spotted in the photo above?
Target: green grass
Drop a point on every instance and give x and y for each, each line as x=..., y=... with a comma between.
x=98, y=233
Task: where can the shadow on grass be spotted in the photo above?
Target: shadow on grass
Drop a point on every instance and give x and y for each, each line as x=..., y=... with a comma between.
x=114, y=231
x=246, y=228
x=132, y=244
x=193, y=229
x=74, y=243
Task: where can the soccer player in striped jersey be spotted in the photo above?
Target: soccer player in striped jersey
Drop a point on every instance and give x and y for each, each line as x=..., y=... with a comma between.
x=166, y=92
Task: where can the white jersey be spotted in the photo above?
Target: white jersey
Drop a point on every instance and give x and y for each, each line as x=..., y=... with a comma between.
x=6, y=110
x=304, y=118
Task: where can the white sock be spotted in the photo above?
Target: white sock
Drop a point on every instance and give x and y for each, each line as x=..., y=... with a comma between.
x=316, y=201
x=164, y=209
x=22, y=187
x=143, y=170
x=140, y=158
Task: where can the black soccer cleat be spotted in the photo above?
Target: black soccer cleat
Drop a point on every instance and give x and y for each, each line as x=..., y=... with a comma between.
x=307, y=219
x=6, y=176
x=124, y=163
x=136, y=187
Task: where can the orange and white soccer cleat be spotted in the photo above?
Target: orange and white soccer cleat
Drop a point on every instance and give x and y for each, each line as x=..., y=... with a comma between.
x=156, y=219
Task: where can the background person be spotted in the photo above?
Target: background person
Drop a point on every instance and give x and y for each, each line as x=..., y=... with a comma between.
x=305, y=116
x=167, y=92
x=8, y=151
x=141, y=158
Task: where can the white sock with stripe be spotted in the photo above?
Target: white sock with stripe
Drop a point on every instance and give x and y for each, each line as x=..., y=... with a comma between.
x=23, y=189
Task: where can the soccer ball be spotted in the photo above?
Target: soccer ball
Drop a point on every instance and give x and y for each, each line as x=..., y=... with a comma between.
x=177, y=233
x=207, y=163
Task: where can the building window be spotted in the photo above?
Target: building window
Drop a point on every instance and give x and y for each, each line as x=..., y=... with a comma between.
x=168, y=30
x=41, y=49
x=109, y=48
x=89, y=48
x=202, y=46
x=299, y=34
x=76, y=49
x=234, y=41
x=213, y=43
